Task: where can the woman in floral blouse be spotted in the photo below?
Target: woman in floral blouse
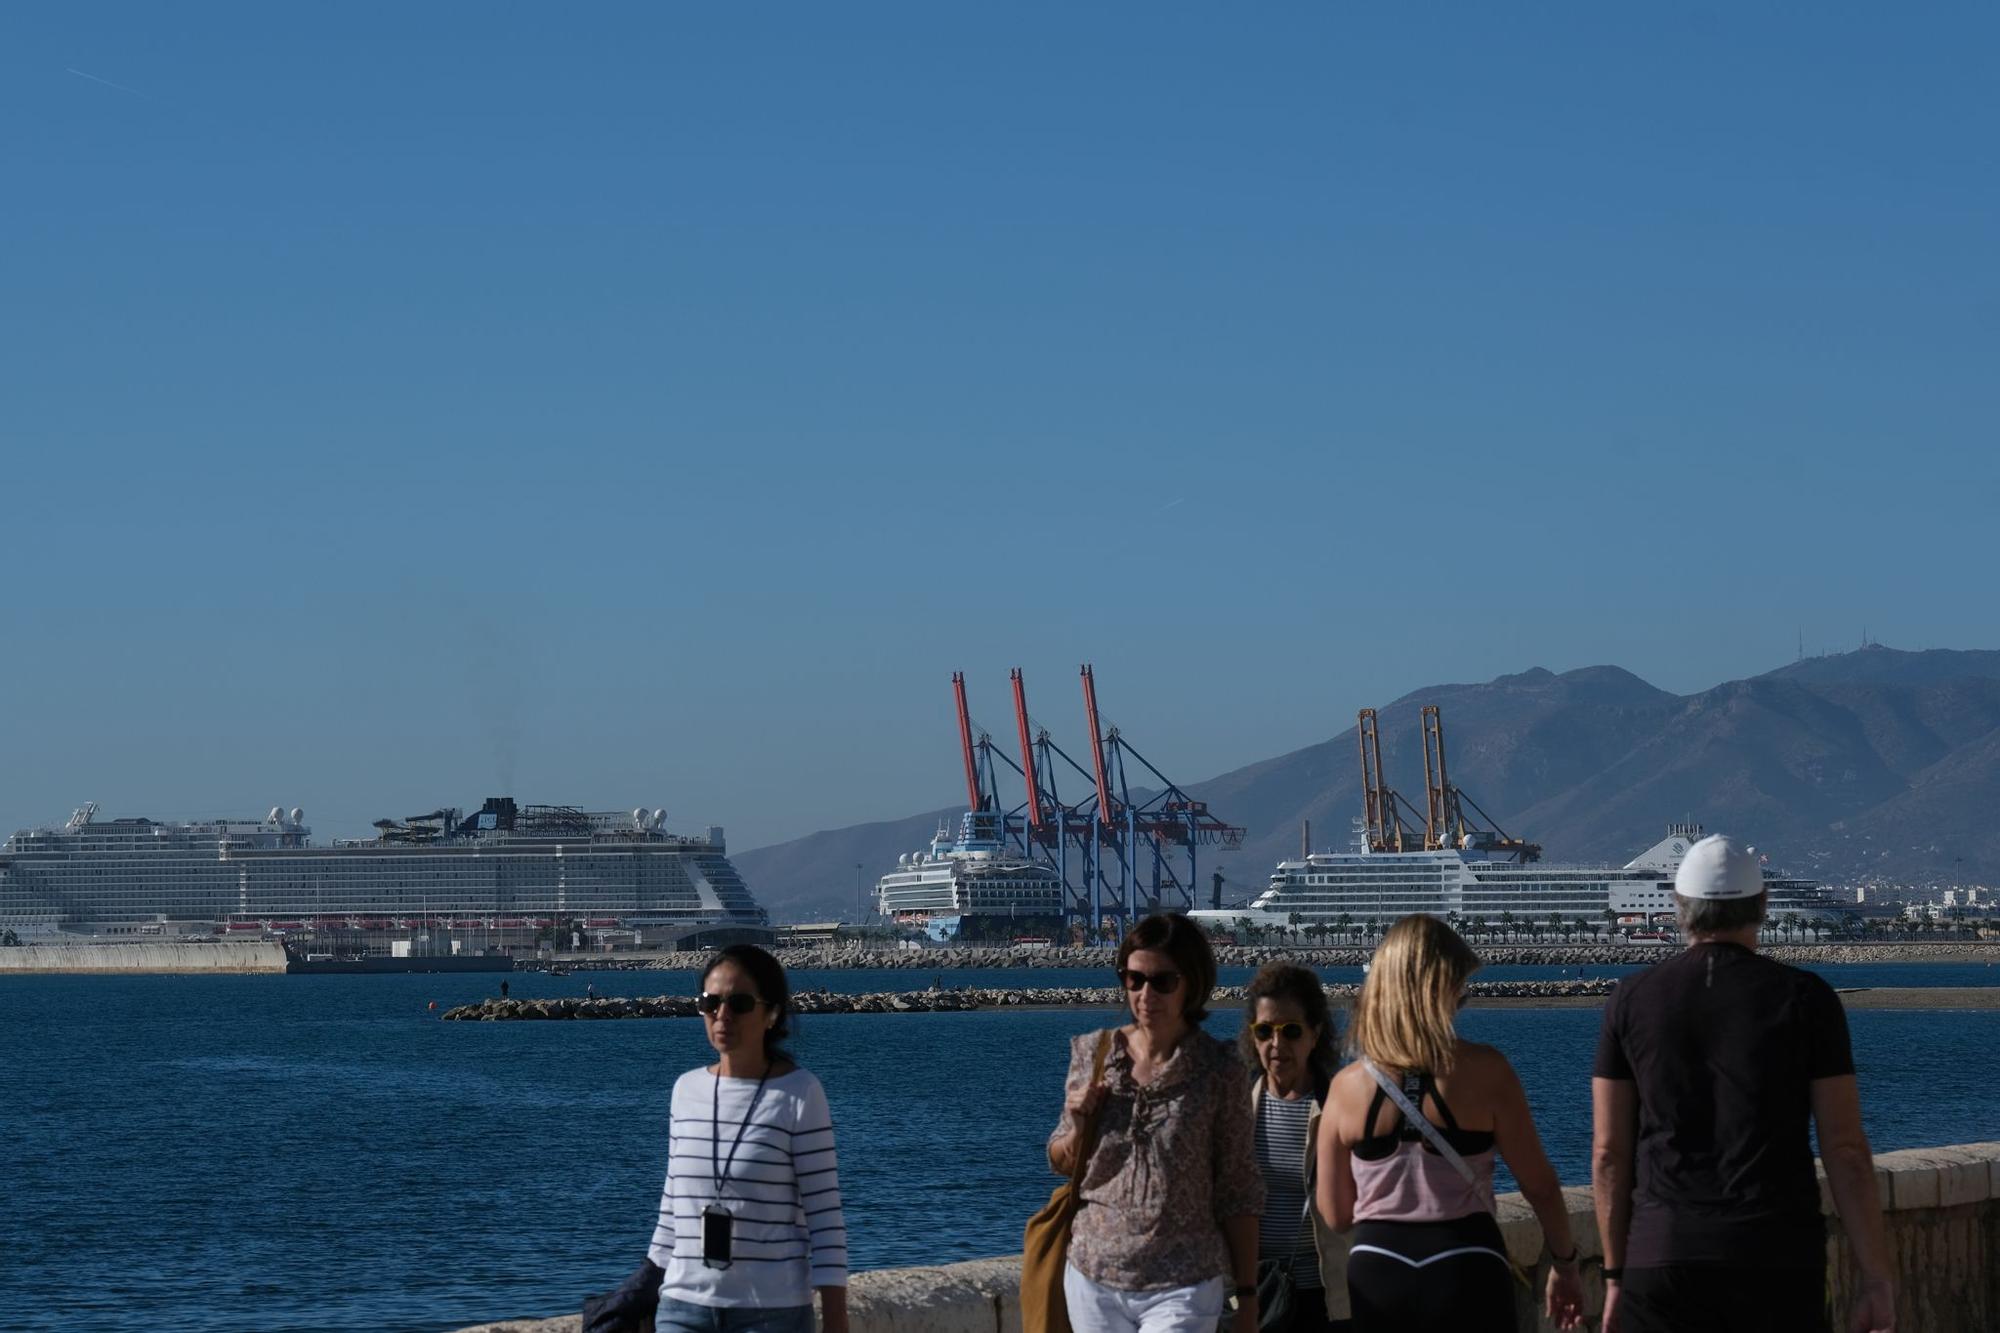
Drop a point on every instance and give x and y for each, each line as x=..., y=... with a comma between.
x=1171, y=1193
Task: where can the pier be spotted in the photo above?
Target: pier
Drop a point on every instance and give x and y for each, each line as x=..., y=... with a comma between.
x=135, y=959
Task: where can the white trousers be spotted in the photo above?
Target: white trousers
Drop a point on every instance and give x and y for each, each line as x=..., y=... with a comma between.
x=1094, y=1308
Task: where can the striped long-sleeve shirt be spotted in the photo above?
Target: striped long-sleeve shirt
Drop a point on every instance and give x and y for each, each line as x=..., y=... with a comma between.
x=784, y=1190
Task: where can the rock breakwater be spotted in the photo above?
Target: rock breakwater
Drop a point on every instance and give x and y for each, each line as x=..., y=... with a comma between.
x=1232, y=955
x=942, y=1000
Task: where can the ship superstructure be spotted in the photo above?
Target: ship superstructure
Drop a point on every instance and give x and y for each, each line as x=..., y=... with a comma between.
x=504, y=866
x=1452, y=860
x=1368, y=890
x=970, y=875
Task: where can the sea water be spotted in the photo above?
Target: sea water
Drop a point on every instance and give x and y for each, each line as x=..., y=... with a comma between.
x=318, y=1152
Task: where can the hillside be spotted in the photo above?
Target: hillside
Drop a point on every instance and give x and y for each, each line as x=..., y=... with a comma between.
x=1876, y=764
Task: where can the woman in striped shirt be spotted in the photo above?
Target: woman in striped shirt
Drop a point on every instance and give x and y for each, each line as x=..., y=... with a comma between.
x=750, y=1219
x=1288, y=1041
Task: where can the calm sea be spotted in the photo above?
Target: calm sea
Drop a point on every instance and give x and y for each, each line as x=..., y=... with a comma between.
x=293, y=1153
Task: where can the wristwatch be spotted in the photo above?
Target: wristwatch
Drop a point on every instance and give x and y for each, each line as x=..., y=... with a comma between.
x=1614, y=1275
x=1245, y=1293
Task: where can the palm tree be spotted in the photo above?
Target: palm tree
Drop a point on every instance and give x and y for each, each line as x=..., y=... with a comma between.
x=1555, y=923
x=1507, y=924
x=1344, y=923
x=1294, y=921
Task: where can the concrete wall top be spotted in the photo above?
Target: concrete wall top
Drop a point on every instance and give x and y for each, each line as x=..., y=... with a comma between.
x=137, y=957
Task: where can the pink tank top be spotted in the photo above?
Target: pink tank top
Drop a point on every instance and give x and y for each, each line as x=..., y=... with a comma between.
x=1412, y=1185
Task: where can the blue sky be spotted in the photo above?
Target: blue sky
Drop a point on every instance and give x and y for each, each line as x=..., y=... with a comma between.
x=655, y=403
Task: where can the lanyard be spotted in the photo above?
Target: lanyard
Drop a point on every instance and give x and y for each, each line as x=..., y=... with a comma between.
x=721, y=1173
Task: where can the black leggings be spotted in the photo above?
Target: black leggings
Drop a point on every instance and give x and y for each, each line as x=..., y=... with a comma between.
x=1404, y=1276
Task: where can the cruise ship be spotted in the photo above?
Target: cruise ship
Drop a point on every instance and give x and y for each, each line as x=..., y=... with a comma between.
x=1366, y=890
x=509, y=871
x=971, y=886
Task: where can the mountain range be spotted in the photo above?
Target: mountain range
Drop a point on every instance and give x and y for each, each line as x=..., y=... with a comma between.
x=1878, y=765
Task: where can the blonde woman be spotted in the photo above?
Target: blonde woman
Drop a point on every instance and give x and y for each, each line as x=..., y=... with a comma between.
x=1406, y=1151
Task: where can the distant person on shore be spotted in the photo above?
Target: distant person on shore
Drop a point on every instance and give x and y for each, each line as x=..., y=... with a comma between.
x=503, y=990
x=1708, y=1067
x=1171, y=1192
x=1406, y=1152
x=750, y=1218
x=1288, y=1039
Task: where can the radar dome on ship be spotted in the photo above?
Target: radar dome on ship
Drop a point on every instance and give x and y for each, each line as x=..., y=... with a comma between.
x=639, y=817
x=298, y=815
x=659, y=818
x=276, y=816
x=903, y=860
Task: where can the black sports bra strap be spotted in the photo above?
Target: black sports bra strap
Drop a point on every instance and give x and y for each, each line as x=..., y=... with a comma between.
x=1375, y=1106
x=1413, y=1088
x=1437, y=1100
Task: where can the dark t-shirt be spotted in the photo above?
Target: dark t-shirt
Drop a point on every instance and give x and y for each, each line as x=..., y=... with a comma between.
x=1724, y=1046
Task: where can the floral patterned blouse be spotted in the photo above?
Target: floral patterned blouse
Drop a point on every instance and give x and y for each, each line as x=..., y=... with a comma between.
x=1174, y=1159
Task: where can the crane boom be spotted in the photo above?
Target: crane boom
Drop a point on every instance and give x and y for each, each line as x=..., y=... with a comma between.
x=1105, y=814
x=1027, y=752
x=972, y=797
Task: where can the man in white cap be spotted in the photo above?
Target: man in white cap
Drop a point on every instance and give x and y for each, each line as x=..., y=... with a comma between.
x=1708, y=1068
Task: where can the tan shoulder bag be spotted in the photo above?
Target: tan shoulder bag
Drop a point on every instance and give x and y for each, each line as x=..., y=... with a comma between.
x=1045, y=1243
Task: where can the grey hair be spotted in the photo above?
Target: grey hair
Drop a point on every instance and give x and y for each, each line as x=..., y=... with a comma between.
x=1719, y=916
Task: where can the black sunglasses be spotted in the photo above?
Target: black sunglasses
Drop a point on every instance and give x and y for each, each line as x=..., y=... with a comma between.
x=1164, y=983
x=739, y=1003
x=1289, y=1031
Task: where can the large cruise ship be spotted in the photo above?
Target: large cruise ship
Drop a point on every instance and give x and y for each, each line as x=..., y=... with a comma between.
x=510, y=871
x=971, y=884
x=1367, y=890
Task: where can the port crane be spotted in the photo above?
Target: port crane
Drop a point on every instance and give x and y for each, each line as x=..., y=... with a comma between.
x=1382, y=811
x=1447, y=827
x=1120, y=851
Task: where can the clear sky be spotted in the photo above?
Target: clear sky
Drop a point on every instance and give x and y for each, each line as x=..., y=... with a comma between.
x=656, y=402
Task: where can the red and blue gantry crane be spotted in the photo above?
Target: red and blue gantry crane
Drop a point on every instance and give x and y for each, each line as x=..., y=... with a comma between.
x=1120, y=851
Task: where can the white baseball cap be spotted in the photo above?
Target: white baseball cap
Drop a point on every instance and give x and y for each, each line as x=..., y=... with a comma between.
x=1719, y=867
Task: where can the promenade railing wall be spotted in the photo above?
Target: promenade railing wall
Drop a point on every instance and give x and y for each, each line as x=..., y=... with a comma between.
x=1942, y=1207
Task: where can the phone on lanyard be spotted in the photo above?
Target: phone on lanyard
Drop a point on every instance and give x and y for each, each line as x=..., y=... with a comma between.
x=717, y=1236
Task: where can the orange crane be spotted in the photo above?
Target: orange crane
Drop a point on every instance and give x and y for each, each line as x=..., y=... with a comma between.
x=1382, y=808
x=1446, y=827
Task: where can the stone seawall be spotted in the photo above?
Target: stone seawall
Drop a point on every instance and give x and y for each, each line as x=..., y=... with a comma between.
x=1942, y=1206
x=137, y=958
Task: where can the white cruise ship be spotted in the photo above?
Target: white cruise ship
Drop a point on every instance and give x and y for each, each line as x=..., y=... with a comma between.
x=970, y=876
x=1366, y=890
x=504, y=870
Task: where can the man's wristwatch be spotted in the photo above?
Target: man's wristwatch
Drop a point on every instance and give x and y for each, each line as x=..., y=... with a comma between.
x=1614, y=1275
x=1245, y=1293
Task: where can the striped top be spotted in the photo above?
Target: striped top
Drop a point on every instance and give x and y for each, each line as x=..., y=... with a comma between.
x=1281, y=1158
x=784, y=1190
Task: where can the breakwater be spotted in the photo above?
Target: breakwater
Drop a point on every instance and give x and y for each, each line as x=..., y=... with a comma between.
x=1509, y=994
x=1941, y=1207
x=954, y=958
x=134, y=959
x=944, y=1000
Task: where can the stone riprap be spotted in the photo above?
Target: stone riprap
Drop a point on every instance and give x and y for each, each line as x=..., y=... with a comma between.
x=942, y=1000
x=1231, y=955
x=1941, y=1206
